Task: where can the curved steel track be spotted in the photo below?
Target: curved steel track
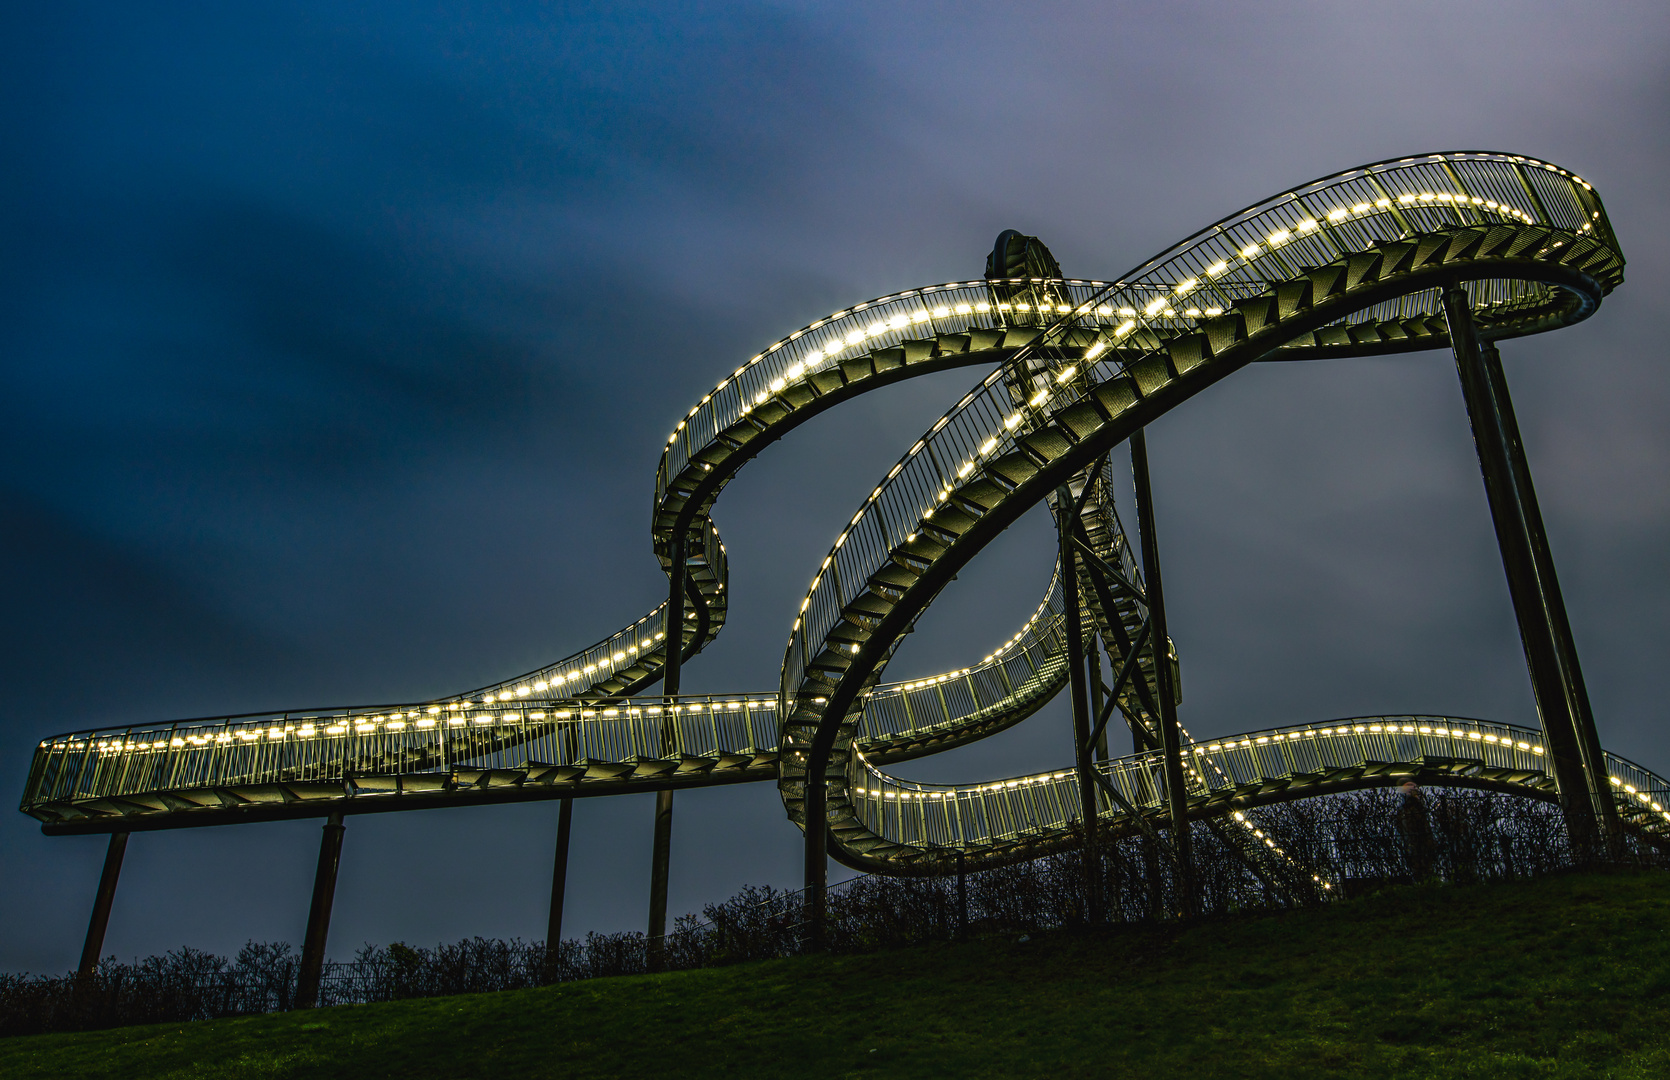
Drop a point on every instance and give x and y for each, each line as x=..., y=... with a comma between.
x=1350, y=265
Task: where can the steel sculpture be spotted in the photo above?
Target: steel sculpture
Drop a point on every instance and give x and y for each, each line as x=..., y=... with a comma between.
x=1458, y=250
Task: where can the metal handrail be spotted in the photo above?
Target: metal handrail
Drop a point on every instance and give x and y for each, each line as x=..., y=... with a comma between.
x=1060, y=360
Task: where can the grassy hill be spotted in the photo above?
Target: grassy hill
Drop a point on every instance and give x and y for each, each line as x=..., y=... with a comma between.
x=1565, y=977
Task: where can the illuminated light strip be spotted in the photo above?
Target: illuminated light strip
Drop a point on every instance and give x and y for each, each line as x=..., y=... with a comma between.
x=1299, y=228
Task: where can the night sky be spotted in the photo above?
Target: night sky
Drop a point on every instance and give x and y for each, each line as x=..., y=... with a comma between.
x=339, y=344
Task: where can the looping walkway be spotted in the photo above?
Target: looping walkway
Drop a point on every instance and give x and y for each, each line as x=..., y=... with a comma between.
x=1348, y=266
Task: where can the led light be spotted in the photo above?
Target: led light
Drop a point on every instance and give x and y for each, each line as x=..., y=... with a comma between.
x=1308, y=225
x=963, y=309
x=1067, y=374
x=941, y=312
x=1217, y=268
x=1154, y=306
x=1095, y=350
x=1249, y=251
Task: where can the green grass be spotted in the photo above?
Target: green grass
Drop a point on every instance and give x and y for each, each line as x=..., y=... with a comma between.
x=1566, y=977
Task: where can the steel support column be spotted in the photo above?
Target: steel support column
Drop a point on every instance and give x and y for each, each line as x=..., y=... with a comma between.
x=102, y=900
x=659, y=870
x=319, y=913
x=662, y=848
x=1170, y=737
x=1093, y=657
x=1064, y=515
x=1544, y=631
x=817, y=856
x=559, y=886
x=1554, y=605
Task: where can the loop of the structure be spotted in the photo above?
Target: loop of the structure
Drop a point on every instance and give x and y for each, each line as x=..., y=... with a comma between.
x=1350, y=265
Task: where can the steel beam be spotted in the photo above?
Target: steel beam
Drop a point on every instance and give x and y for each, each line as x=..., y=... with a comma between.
x=106, y=895
x=1170, y=737
x=319, y=913
x=1544, y=631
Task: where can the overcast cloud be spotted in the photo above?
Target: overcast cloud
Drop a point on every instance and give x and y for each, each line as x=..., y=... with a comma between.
x=338, y=344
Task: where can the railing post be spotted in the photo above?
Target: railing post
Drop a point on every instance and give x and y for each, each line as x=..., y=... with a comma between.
x=319, y=913
x=1170, y=738
x=101, y=903
x=559, y=885
x=1544, y=631
x=1074, y=626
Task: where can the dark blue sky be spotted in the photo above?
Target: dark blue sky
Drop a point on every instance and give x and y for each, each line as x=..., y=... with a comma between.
x=338, y=344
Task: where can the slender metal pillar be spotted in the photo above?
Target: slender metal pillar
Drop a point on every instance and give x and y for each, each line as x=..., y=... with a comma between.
x=817, y=861
x=106, y=895
x=1170, y=738
x=1556, y=681
x=1081, y=703
x=1554, y=606
x=662, y=850
x=671, y=669
x=559, y=885
x=319, y=913
x=1093, y=656
x=659, y=870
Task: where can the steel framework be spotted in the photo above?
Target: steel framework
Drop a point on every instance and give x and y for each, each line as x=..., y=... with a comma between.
x=1455, y=250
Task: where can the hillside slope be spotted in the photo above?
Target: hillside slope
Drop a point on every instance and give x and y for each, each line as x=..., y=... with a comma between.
x=1565, y=977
